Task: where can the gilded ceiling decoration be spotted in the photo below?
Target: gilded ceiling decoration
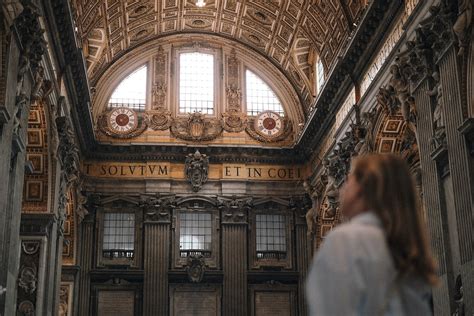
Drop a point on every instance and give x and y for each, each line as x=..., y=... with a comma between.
x=288, y=32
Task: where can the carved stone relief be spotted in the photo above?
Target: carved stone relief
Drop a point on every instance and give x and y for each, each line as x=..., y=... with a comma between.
x=159, y=119
x=159, y=91
x=196, y=127
x=196, y=169
x=158, y=209
x=195, y=268
x=234, y=210
x=28, y=277
x=63, y=309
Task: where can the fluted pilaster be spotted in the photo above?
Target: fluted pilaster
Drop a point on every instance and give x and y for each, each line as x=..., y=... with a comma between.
x=303, y=251
x=461, y=172
x=431, y=196
x=156, y=254
x=234, y=263
x=86, y=259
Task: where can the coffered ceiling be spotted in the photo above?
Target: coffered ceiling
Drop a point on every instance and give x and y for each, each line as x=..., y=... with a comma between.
x=287, y=32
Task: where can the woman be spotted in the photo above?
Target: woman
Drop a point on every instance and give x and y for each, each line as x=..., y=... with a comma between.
x=378, y=263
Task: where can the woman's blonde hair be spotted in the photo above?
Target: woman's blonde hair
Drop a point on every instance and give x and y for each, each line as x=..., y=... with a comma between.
x=389, y=191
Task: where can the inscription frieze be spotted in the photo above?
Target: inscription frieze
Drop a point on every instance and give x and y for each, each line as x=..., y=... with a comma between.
x=165, y=170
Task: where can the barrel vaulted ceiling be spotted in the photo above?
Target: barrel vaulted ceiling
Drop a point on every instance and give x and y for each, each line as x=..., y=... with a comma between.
x=287, y=32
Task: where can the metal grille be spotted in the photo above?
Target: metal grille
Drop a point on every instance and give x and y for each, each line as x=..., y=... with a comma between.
x=195, y=234
x=119, y=235
x=196, y=83
x=131, y=92
x=259, y=96
x=271, y=236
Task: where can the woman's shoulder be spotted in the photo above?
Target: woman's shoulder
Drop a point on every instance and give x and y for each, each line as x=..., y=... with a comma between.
x=365, y=225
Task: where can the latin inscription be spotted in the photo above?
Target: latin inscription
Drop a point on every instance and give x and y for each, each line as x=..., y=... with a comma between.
x=176, y=171
x=127, y=170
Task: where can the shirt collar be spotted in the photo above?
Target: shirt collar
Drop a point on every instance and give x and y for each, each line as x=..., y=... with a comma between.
x=367, y=218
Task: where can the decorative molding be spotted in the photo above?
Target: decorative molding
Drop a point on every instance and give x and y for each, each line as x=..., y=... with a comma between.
x=196, y=127
x=234, y=122
x=158, y=209
x=234, y=210
x=28, y=278
x=158, y=119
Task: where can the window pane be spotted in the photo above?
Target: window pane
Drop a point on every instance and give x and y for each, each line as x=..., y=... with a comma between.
x=196, y=83
x=131, y=92
x=195, y=234
x=320, y=71
x=259, y=96
x=271, y=236
x=119, y=235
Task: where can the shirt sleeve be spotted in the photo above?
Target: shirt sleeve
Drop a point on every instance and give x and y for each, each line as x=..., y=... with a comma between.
x=335, y=285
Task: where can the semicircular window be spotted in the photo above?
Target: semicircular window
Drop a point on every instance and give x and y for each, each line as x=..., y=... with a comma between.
x=131, y=92
x=260, y=97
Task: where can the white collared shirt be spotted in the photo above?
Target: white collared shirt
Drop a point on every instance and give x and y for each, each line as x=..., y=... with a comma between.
x=353, y=274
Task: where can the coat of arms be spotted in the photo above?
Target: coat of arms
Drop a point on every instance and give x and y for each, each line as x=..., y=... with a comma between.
x=196, y=169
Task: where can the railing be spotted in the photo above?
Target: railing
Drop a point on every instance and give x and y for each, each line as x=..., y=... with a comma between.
x=278, y=255
x=118, y=254
x=135, y=104
x=195, y=253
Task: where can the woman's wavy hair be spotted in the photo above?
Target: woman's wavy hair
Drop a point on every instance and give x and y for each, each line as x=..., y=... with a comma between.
x=389, y=191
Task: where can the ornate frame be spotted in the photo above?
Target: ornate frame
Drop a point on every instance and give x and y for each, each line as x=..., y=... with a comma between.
x=270, y=208
x=203, y=206
x=125, y=207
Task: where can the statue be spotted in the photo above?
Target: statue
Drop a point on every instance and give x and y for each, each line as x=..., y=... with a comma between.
x=462, y=24
x=312, y=214
x=21, y=101
x=331, y=191
x=196, y=169
x=401, y=88
x=439, y=132
x=39, y=79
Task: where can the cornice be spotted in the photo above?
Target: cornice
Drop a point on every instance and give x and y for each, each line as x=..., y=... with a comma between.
x=376, y=20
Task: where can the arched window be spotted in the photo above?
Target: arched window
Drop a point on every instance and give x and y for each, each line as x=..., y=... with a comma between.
x=196, y=83
x=319, y=75
x=131, y=92
x=260, y=97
